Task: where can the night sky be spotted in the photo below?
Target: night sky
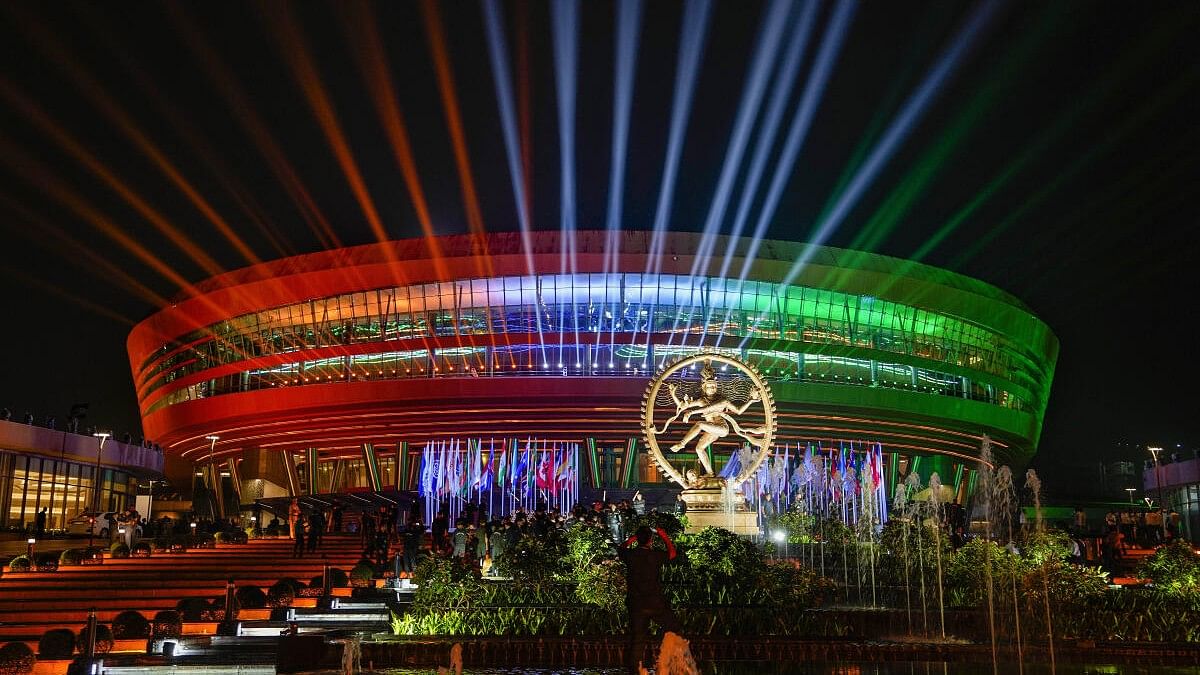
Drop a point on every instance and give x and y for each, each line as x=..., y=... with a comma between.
x=1059, y=162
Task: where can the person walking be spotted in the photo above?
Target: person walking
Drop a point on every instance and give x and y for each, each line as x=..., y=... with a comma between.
x=644, y=597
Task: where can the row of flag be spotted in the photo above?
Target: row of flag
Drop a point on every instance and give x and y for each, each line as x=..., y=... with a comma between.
x=460, y=469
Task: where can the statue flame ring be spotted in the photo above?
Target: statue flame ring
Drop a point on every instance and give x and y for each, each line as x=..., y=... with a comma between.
x=760, y=394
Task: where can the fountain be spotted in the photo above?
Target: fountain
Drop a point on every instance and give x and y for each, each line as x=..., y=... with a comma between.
x=1034, y=485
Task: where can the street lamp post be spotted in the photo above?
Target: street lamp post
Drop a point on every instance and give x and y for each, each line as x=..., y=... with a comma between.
x=103, y=436
x=29, y=548
x=215, y=487
x=1162, y=511
x=1131, y=491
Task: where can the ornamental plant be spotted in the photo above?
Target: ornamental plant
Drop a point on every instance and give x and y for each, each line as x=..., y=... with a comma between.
x=130, y=625
x=118, y=551
x=250, y=597
x=1174, y=570
x=104, y=639
x=70, y=557
x=58, y=643
x=16, y=658
x=20, y=563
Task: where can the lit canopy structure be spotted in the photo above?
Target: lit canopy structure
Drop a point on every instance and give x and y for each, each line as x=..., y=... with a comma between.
x=389, y=343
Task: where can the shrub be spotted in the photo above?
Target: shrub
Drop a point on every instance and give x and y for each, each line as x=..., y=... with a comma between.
x=130, y=625
x=337, y=579
x=92, y=555
x=718, y=550
x=283, y=592
x=192, y=609
x=58, y=643
x=966, y=577
x=20, y=563
x=1044, y=547
x=588, y=546
x=362, y=574
x=602, y=584
x=1174, y=569
x=104, y=639
x=141, y=550
x=232, y=537
x=534, y=558
x=118, y=551
x=47, y=562
x=669, y=522
x=251, y=597
x=69, y=557
x=202, y=540
x=16, y=658
x=167, y=624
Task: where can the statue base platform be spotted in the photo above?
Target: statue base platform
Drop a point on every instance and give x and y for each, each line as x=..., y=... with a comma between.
x=706, y=508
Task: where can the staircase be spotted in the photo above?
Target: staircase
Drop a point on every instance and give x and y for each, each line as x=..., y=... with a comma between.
x=33, y=602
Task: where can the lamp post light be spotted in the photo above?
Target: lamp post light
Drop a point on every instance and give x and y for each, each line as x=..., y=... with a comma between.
x=1131, y=491
x=1162, y=511
x=29, y=548
x=103, y=436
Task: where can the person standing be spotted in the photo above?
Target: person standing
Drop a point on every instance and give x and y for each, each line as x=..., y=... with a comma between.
x=412, y=545
x=40, y=524
x=298, y=536
x=644, y=597
x=293, y=517
x=337, y=516
x=639, y=504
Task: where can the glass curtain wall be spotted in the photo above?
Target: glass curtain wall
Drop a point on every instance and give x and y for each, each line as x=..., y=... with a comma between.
x=696, y=309
x=30, y=483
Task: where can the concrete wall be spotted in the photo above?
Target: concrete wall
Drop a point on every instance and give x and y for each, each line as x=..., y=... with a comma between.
x=26, y=438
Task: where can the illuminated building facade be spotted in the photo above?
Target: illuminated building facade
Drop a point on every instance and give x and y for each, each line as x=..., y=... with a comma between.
x=295, y=364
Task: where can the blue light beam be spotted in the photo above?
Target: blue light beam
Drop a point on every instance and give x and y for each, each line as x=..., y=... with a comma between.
x=908, y=117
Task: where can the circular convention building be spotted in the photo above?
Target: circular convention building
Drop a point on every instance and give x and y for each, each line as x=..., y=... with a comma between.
x=335, y=371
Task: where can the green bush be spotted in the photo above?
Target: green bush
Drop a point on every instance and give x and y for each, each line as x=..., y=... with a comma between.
x=118, y=551
x=16, y=658
x=167, y=624
x=20, y=563
x=1174, y=570
x=104, y=639
x=602, y=584
x=534, y=558
x=192, y=609
x=58, y=643
x=251, y=597
x=715, y=549
x=283, y=592
x=1044, y=547
x=70, y=557
x=130, y=625
x=588, y=546
x=669, y=522
x=362, y=573
x=967, y=575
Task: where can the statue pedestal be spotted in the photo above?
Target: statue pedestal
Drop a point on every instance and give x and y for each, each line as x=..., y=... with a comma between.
x=706, y=508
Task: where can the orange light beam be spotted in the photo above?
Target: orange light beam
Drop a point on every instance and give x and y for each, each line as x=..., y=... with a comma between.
x=59, y=292
x=117, y=115
x=373, y=63
x=445, y=77
x=295, y=52
x=42, y=121
x=38, y=175
x=237, y=102
x=79, y=252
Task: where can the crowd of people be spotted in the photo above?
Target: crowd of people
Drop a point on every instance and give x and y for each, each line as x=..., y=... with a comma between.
x=474, y=535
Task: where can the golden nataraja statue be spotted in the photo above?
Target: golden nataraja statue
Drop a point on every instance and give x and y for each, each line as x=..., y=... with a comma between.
x=713, y=414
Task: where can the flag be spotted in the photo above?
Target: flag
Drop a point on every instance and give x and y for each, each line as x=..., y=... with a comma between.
x=477, y=467
x=485, y=478
x=545, y=472
x=522, y=465
x=426, y=471
x=502, y=467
